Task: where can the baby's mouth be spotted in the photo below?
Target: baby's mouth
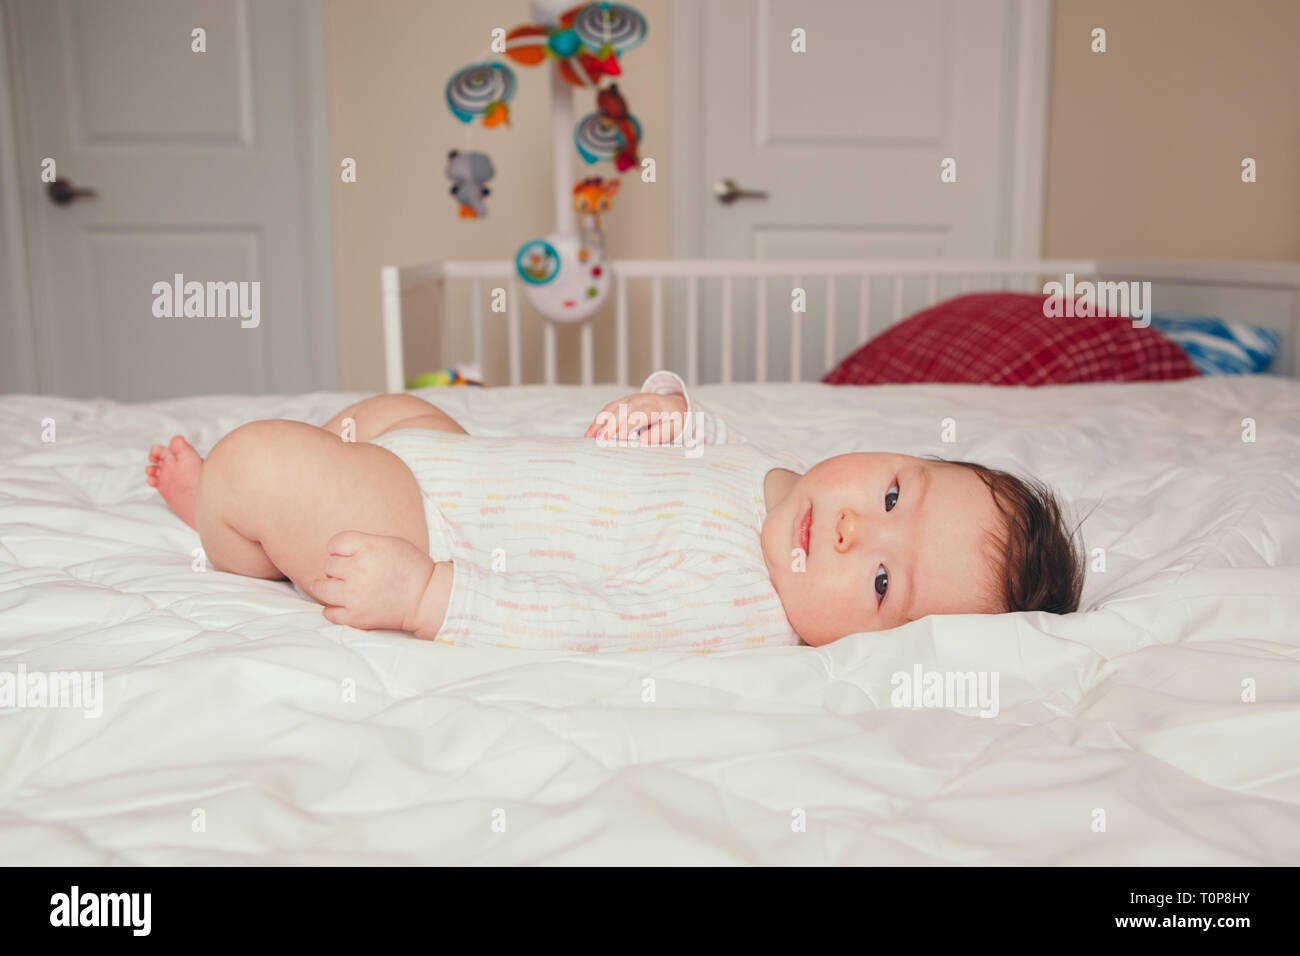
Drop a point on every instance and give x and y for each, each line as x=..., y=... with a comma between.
x=805, y=532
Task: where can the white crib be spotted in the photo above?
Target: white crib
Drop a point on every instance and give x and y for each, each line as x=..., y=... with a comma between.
x=1266, y=294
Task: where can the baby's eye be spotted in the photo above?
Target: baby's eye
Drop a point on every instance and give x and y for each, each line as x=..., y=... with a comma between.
x=882, y=583
x=891, y=496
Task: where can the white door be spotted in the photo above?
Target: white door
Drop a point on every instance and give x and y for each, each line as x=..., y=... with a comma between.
x=843, y=112
x=203, y=166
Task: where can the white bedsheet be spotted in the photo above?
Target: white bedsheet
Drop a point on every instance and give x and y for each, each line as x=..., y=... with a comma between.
x=226, y=695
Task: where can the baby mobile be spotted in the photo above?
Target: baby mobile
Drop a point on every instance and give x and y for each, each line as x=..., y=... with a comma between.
x=566, y=274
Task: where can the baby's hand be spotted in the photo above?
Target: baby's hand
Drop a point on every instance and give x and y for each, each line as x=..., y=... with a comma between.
x=653, y=419
x=372, y=581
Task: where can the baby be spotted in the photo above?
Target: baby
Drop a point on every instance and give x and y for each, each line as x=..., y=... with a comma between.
x=649, y=532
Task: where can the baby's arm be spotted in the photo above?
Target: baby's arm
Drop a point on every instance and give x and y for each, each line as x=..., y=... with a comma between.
x=377, y=581
x=700, y=426
x=670, y=416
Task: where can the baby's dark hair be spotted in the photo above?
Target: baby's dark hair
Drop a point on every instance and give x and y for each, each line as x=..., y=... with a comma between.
x=1042, y=561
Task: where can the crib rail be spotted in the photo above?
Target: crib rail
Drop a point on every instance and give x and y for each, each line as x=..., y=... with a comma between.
x=966, y=275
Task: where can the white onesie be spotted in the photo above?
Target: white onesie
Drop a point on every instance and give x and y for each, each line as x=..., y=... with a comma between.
x=562, y=544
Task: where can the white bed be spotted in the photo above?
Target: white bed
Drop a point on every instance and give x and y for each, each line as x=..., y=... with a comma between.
x=226, y=695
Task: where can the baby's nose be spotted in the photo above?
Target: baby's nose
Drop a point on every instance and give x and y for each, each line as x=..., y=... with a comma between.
x=846, y=529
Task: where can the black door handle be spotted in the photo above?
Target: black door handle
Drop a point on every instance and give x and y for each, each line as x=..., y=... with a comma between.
x=62, y=191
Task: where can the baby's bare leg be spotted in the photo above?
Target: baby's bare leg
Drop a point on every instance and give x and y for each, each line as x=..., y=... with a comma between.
x=273, y=493
x=385, y=413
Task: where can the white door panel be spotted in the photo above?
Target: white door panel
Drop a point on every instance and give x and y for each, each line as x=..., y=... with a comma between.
x=847, y=140
x=200, y=164
x=850, y=134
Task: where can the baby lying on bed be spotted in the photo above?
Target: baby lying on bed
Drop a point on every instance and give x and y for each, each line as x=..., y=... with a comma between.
x=649, y=532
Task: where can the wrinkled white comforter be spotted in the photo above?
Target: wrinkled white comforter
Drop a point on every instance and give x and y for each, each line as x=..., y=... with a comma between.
x=239, y=726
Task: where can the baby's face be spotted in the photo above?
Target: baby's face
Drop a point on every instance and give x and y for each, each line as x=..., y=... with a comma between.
x=888, y=539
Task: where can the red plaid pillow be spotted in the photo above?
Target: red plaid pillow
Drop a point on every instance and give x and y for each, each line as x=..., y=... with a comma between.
x=1003, y=338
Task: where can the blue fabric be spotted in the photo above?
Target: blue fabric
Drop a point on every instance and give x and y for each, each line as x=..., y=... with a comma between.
x=1217, y=347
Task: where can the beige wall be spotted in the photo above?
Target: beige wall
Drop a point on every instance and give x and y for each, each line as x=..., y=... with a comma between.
x=1146, y=140
x=389, y=62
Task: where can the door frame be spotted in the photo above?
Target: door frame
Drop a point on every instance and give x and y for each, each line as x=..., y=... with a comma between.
x=18, y=371
x=1026, y=102
x=19, y=349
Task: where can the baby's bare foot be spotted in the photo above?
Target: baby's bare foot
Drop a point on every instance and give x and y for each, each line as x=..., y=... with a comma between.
x=174, y=471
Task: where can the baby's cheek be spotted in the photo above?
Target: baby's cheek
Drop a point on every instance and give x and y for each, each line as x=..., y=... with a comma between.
x=828, y=590
x=823, y=609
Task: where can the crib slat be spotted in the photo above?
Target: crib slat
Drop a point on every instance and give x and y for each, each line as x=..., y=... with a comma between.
x=657, y=320
x=390, y=284
x=760, y=338
x=476, y=311
x=898, y=299
x=796, y=329
x=548, y=349
x=512, y=317
x=692, y=331
x=726, y=330
x=829, y=352
x=588, y=355
x=864, y=308
x=620, y=319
